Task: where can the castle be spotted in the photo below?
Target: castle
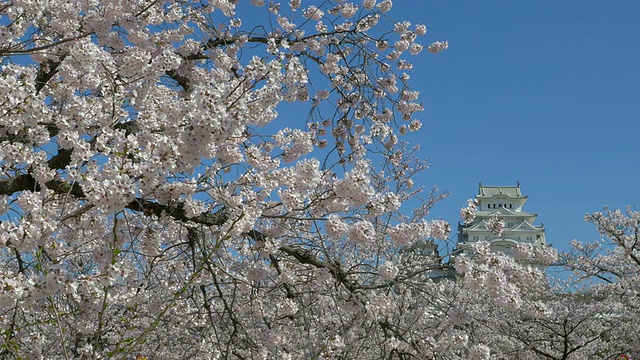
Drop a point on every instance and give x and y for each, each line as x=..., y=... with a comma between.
x=503, y=202
x=506, y=203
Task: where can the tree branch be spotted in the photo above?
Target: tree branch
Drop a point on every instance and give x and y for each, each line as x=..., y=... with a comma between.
x=306, y=257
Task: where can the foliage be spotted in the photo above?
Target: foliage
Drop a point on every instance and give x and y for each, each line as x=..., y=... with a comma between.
x=161, y=198
x=155, y=203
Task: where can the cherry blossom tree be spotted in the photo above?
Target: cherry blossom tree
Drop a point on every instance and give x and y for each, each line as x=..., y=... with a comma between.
x=159, y=198
x=553, y=324
x=162, y=196
x=588, y=315
x=612, y=267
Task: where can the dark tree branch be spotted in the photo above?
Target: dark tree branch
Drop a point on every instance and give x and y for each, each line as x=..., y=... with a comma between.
x=306, y=257
x=47, y=70
x=61, y=159
x=181, y=80
x=177, y=212
x=16, y=184
x=129, y=127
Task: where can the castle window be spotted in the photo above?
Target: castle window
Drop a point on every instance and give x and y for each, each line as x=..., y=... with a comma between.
x=510, y=206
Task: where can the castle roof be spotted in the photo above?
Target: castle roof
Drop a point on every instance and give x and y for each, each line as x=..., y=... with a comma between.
x=526, y=226
x=487, y=191
x=504, y=212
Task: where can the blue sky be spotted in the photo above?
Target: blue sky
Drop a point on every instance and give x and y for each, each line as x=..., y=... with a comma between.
x=542, y=92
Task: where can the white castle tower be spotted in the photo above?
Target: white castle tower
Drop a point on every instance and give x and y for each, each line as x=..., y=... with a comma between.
x=504, y=202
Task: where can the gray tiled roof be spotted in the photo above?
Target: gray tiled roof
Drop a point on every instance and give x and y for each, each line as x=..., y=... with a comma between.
x=502, y=212
x=491, y=191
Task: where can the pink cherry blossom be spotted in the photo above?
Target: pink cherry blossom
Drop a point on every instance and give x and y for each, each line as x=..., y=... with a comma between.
x=185, y=180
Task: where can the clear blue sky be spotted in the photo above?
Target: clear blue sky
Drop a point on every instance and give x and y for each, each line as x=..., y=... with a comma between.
x=544, y=92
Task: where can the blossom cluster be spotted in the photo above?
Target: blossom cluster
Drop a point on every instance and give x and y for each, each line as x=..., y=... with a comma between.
x=163, y=196
x=495, y=225
x=468, y=213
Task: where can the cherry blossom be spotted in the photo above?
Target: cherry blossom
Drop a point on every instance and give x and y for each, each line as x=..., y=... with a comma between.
x=153, y=203
x=468, y=213
x=495, y=225
x=438, y=46
x=154, y=206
